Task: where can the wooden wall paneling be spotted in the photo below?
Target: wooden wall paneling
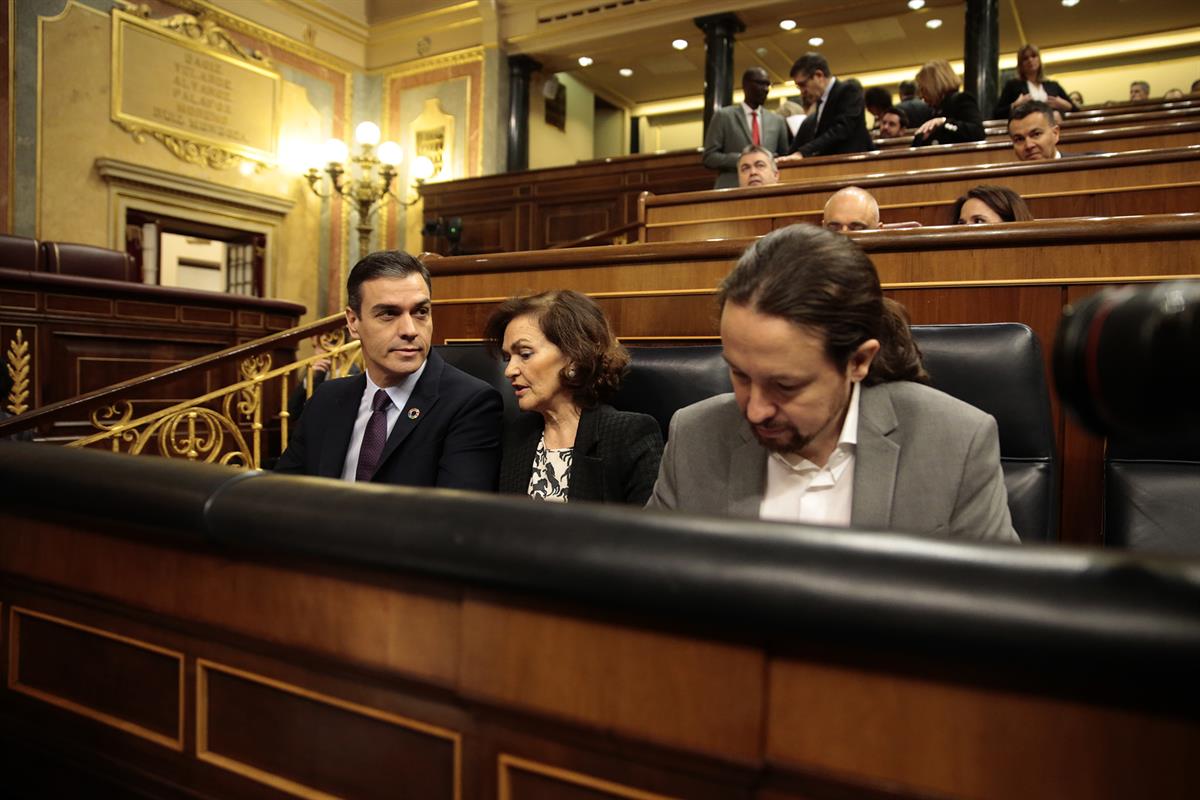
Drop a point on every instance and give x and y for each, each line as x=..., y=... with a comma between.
x=566, y=222
x=951, y=740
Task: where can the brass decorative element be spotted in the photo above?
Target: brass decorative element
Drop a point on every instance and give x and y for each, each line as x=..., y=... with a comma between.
x=224, y=426
x=18, y=359
x=200, y=28
x=205, y=155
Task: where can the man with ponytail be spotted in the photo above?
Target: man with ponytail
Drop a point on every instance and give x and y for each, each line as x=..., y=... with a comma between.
x=830, y=421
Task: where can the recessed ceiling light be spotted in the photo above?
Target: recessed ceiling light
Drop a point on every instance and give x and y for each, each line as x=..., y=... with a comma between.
x=679, y=44
x=584, y=61
x=1070, y=3
x=787, y=24
x=625, y=72
x=933, y=24
x=916, y=4
x=816, y=41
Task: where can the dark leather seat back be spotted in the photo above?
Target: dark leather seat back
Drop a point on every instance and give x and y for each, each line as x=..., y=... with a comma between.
x=1152, y=496
x=20, y=252
x=86, y=261
x=662, y=380
x=475, y=360
x=998, y=368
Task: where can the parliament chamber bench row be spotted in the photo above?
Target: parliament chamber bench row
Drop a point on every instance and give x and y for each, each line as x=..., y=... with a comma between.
x=182, y=630
x=1138, y=182
x=663, y=293
x=551, y=207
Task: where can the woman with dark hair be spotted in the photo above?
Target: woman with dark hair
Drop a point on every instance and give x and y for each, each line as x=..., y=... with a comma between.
x=1031, y=84
x=956, y=116
x=987, y=205
x=563, y=361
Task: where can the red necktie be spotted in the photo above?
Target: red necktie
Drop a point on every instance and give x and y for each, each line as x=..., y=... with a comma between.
x=374, y=437
x=754, y=134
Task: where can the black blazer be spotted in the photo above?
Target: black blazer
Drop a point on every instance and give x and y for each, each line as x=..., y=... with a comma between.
x=964, y=123
x=843, y=125
x=453, y=442
x=616, y=456
x=1016, y=87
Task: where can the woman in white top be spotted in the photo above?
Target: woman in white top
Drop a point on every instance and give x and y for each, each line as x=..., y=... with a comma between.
x=1031, y=84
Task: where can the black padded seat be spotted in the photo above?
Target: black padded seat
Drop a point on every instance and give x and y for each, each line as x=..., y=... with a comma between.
x=1152, y=496
x=998, y=368
x=662, y=380
x=474, y=359
x=86, y=261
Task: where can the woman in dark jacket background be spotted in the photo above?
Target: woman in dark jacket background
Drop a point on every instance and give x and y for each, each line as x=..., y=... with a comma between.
x=563, y=360
x=1031, y=84
x=956, y=116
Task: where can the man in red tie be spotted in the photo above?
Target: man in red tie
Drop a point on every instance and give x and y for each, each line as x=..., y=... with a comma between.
x=746, y=124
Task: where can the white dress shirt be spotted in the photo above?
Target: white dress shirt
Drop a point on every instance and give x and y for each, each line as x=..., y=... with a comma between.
x=399, y=395
x=800, y=491
x=824, y=97
x=749, y=112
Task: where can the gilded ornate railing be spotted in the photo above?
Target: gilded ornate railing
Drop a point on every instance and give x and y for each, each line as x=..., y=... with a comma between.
x=224, y=426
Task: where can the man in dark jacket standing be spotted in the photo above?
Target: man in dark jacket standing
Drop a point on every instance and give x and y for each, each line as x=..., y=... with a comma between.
x=839, y=124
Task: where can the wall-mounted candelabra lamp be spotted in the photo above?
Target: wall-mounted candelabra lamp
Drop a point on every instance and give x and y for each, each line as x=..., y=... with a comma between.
x=366, y=181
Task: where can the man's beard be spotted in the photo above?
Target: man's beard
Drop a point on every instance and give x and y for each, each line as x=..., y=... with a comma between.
x=797, y=441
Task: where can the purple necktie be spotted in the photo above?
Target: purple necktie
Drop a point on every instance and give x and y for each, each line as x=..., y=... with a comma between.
x=374, y=437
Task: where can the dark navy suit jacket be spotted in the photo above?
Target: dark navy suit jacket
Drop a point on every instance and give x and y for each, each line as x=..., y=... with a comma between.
x=452, y=442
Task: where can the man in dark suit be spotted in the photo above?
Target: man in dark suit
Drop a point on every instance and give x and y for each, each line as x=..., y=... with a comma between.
x=747, y=124
x=839, y=123
x=410, y=418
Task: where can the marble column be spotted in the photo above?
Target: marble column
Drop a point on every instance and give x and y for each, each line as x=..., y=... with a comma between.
x=719, y=30
x=981, y=50
x=519, y=70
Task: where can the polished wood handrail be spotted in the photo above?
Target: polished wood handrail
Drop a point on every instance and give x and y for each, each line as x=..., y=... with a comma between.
x=584, y=241
x=1076, y=230
x=85, y=403
x=1088, y=138
x=985, y=173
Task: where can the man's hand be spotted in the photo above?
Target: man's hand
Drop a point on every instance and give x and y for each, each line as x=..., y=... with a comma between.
x=789, y=158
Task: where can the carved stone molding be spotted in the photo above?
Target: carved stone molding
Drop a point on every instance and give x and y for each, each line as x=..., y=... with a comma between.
x=125, y=173
x=206, y=155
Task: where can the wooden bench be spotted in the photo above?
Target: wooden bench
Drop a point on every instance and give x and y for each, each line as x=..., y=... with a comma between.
x=1020, y=272
x=1120, y=184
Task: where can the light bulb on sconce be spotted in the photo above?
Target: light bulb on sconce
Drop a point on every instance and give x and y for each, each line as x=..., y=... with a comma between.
x=362, y=188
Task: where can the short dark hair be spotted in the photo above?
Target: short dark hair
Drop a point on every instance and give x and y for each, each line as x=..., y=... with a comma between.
x=382, y=264
x=810, y=63
x=755, y=148
x=877, y=97
x=824, y=282
x=1142, y=84
x=1004, y=201
x=1032, y=107
x=573, y=323
x=899, y=112
x=908, y=89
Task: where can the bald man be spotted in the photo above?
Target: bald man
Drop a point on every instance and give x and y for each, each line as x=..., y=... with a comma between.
x=851, y=209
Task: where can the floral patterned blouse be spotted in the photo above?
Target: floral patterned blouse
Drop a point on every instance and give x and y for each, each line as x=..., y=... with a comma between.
x=551, y=473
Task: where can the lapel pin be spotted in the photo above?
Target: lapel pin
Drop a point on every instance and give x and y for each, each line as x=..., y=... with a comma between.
x=413, y=413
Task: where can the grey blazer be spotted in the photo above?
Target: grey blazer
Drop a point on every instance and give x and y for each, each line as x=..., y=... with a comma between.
x=729, y=134
x=925, y=463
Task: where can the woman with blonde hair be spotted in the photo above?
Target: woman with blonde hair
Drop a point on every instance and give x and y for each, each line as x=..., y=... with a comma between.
x=1031, y=84
x=956, y=116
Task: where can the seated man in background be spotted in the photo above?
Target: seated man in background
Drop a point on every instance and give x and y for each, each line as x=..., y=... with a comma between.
x=892, y=123
x=877, y=100
x=916, y=110
x=1034, y=132
x=756, y=167
x=830, y=422
x=410, y=418
x=851, y=209
x=1139, y=90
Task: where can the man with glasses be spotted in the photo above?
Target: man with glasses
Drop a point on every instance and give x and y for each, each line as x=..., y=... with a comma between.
x=839, y=123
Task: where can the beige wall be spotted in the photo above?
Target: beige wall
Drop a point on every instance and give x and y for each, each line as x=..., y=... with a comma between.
x=74, y=203
x=610, y=137
x=550, y=147
x=1112, y=83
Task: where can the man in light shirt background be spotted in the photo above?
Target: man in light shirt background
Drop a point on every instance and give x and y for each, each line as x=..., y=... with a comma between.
x=830, y=421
